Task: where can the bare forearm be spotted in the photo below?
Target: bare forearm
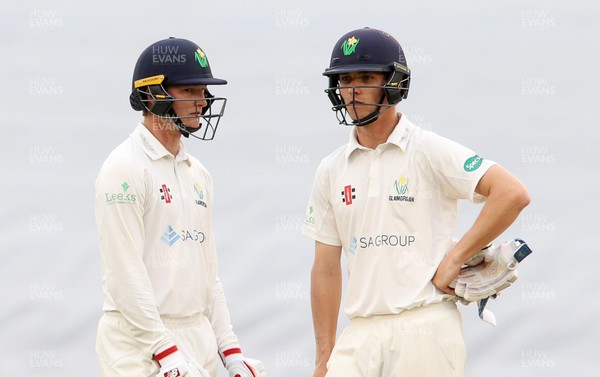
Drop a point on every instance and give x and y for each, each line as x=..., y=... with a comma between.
x=506, y=198
x=326, y=292
x=501, y=209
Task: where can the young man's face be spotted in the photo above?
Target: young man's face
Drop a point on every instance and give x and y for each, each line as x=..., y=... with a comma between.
x=191, y=109
x=359, y=100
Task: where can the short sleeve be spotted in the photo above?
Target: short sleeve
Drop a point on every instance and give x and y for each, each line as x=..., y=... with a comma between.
x=319, y=222
x=457, y=168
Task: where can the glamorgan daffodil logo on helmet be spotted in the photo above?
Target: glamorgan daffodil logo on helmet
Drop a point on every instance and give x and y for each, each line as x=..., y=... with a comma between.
x=200, y=57
x=349, y=45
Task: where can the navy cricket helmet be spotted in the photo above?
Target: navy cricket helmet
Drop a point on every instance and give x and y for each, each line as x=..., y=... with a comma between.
x=169, y=62
x=368, y=50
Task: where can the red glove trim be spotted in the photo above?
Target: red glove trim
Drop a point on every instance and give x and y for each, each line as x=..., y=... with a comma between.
x=251, y=369
x=159, y=356
x=231, y=351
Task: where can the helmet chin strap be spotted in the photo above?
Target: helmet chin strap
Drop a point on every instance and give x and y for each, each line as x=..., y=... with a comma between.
x=183, y=129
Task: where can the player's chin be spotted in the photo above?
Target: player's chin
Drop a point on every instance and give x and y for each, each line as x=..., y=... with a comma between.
x=359, y=111
x=192, y=123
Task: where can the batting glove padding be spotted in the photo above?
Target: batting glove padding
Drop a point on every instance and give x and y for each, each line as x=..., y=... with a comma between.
x=496, y=271
x=490, y=271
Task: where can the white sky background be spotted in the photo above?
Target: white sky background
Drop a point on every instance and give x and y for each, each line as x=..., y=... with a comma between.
x=515, y=81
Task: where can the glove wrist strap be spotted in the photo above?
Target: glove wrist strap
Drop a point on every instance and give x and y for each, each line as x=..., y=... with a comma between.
x=168, y=355
x=232, y=354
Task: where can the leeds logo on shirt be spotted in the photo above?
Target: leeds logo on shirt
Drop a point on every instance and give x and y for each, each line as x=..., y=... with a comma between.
x=121, y=197
x=401, y=190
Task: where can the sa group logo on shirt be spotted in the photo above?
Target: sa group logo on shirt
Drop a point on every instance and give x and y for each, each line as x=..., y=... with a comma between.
x=199, y=194
x=121, y=197
x=381, y=240
x=170, y=236
x=389, y=240
x=401, y=190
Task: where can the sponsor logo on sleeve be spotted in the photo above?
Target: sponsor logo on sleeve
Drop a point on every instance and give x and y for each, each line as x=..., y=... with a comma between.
x=121, y=197
x=472, y=163
x=309, y=220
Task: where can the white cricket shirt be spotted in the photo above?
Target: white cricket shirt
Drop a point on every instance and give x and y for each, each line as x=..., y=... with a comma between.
x=154, y=220
x=393, y=210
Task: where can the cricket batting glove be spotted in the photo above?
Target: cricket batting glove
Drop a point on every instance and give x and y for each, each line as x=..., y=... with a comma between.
x=173, y=364
x=239, y=366
x=488, y=273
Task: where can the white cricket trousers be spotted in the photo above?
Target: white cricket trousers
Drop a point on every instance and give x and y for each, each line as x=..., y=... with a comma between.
x=421, y=342
x=119, y=354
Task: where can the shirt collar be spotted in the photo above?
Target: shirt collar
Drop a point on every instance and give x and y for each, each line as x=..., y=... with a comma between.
x=399, y=136
x=153, y=148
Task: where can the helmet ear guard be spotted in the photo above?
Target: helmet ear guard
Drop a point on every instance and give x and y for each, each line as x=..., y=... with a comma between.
x=157, y=100
x=153, y=98
x=149, y=94
x=333, y=92
x=135, y=101
x=396, y=89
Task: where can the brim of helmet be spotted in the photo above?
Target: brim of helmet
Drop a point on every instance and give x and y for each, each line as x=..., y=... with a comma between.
x=199, y=81
x=357, y=68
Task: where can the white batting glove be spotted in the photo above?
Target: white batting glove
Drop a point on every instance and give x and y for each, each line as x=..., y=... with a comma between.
x=488, y=273
x=173, y=364
x=237, y=365
x=494, y=270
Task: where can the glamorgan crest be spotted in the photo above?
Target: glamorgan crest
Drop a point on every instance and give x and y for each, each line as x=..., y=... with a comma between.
x=349, y=45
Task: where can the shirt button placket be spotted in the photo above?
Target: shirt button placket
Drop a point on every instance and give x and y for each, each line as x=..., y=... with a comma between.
x=374, y=176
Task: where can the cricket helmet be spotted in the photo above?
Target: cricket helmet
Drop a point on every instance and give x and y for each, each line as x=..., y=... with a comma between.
x=170, y=62
x=368, y=50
